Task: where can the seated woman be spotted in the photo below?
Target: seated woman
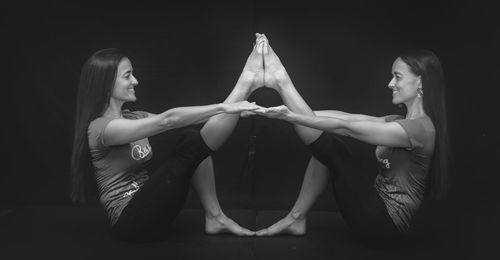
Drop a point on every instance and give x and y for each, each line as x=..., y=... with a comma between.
x=411, y=150
x=113, y=144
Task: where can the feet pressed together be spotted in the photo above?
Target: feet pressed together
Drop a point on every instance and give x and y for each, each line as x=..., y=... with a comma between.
x=288, y=225
x=221, y=224
x=263, y=68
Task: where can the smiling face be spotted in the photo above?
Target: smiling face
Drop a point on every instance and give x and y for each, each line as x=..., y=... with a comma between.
x=125, y=82
x=404, y=83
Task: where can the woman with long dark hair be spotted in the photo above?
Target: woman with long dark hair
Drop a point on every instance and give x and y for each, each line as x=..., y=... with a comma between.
x=111, y=145
x=412, y=150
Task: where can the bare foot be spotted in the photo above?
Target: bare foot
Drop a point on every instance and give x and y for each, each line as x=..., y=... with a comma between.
x=288, y=225
x=253, y=72
x=259, y=111
x=222, y=224
x=274, y=72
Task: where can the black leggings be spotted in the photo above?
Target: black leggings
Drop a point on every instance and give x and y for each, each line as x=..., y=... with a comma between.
x=156, y=204
x=359, y=203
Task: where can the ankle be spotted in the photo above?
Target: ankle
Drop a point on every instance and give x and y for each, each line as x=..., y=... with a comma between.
x=214, y=213
x=298, y=215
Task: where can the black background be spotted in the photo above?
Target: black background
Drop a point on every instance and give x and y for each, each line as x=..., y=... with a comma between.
x=338, y=55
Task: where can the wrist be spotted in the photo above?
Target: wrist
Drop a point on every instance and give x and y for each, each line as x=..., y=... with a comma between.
x=222, y=108
x=290, y=116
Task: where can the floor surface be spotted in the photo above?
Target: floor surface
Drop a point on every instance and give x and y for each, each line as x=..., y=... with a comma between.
x=70, y=232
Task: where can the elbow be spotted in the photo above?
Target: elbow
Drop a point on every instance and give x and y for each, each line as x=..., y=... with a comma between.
x=170, y=122
x=339, y=127
x=347, y=133
x=340, y=131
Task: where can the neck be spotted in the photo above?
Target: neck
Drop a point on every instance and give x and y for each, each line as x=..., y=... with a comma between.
x=415, y=108
x=114, y=109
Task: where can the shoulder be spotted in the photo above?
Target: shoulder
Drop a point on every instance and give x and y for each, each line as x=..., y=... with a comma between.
x=96, y=129
x=421, y=124
x=420, y=130
x=99, y=123
x=427, y=123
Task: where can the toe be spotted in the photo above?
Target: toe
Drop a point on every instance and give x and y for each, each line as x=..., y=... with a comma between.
x=261, y=232
x=247, y=232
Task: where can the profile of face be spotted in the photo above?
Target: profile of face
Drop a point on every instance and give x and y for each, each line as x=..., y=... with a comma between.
x=404, y=83
x=125, y=82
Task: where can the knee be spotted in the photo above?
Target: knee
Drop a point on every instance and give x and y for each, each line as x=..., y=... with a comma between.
x=330, y=150
x=187, y=137
x=340, y=147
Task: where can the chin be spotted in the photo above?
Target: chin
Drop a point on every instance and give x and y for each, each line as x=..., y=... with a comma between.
x=129, y=100
x=396, y=102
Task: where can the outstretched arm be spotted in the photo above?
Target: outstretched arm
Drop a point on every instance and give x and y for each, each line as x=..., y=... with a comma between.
x=122, y=131
x=348, y=116
x=217, y=127
x=382, y=133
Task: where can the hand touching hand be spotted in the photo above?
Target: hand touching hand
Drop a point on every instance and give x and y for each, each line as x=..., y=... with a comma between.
x=279, y=112
x=239, y=107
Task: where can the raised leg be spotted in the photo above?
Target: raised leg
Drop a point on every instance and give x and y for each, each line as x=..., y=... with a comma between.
x=218, y=128
x=314, y=183
x=216, y=221
x=316, y=175
x=215, y=132
x=276, y=77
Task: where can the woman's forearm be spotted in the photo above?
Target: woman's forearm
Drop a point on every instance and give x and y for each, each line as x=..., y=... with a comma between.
x=333, y=113
x=184, y=116
x=347, y=116
x=328, y=124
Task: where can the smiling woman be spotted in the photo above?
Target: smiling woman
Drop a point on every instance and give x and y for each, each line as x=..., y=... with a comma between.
x=405, y=86
x=411, y=150
x=124, y=84
x=111, y=146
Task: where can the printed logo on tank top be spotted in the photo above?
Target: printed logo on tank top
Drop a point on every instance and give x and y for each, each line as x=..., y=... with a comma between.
x=384, y=163
x=139, y=152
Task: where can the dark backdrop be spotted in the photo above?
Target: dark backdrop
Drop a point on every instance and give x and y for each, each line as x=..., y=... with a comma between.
x=338, y=55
